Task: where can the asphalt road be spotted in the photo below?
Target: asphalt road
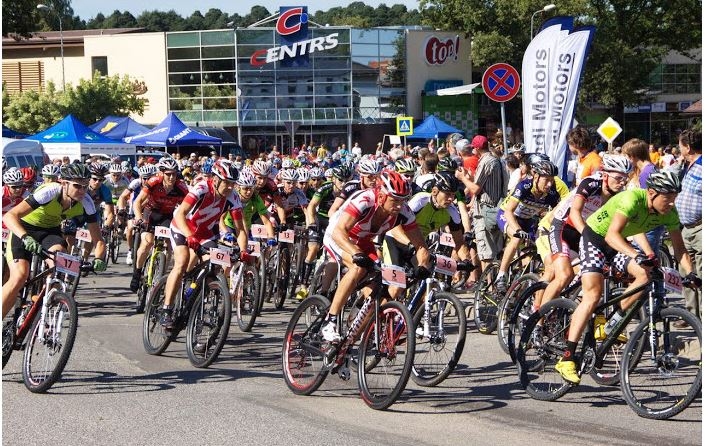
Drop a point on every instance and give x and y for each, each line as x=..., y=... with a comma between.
x=112, y=393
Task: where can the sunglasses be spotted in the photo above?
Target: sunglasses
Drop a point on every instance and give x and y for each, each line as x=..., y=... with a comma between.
x=16, y=187
x=246, y=188
x=79, y=186
x=619, y=178
x=303, y=183
x=100, y=180
x=288, y=182
x=170, y=174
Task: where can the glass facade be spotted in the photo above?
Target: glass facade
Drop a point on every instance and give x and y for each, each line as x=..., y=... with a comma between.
x=220, y=78
x=676, y=78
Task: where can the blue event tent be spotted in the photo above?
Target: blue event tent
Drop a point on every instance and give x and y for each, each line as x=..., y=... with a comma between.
x=118, y=127
x=7, y=132
x=172, y=132
x=433, y=127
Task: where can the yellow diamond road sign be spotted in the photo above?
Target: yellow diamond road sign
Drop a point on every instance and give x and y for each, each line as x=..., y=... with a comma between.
x=609, y=130
x=405, y=125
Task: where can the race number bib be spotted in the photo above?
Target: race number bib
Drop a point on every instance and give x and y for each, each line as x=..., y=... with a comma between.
x=67, y=264
x=446, y=239
x=394, y=275
x=673, y=280
x=5, y=235
x=288, y=236
x=259, y=231
x=220, y=257
x=445, y=265
x=254, y=248
x=162, y=231
x=83, y=235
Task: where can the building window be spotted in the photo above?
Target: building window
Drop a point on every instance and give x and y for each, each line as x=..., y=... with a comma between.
x=100, y=64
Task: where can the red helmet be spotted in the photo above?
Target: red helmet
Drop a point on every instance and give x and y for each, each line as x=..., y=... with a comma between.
x=28, y=175
x=393, y=184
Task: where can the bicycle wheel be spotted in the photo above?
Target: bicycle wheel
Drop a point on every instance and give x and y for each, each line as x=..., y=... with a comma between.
x=608, y=374
x=486, y=300
x=384, y=364
x=661, y=386
x=114, y=246
x=283, y=273
x=537, y=355
x=8, y=338
x=50, y=343
x=302, y=353
x=263, y=280
x=208, y=325
x=248, y=299
x=520, y=315
x=508, y=304
x=155, y=338
x=437, y=354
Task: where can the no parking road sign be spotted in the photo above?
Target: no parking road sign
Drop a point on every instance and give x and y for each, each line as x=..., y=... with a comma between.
x=501, y=82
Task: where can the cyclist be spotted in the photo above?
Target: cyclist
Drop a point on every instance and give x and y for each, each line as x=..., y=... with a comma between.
x=349, y=238
x=100, y=193
x=302, y=177
x=289, y=201
x=13, y=189
x=125, y=203
x=196, y=224
x=116, y=182
x=629, y=213
x=408, y=169
x=368, y=171
x=155, y=206
x=253, y=209
x=35, y=224
x=50, y=173
x=520, y=211
x=265, y=186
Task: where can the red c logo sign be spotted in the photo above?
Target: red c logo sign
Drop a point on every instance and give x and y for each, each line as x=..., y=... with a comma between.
x=284, y=29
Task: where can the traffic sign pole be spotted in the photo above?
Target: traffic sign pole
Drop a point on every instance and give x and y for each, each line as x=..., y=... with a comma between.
x=502, y=122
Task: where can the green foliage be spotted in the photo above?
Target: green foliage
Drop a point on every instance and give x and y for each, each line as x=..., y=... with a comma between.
x=32, y=111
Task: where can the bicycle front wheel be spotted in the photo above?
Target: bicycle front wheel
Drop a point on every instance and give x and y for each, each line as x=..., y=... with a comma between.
x=540, y=348
x=155, y=338
x=208, y=325
x=384, y=363
x=303, y=347
x=248, y=298
x=486, y=300
x=283, y=272
x=440, y=344
x=661, y=385
x=114, y=246
x=508, y=305
x=50, y=344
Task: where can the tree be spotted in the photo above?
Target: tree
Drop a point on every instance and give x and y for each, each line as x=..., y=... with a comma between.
x=161, y=21
x=32, y=111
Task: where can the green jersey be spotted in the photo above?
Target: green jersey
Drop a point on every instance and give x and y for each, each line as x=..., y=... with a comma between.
x=255, y=205
x=632, y=204
x=47, y=210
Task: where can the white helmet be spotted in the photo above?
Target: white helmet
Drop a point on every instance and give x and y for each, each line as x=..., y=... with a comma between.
x=261, y=168
x=369, y=167
x=115, y=168
x=289, y=175
x=50, y=170
x=316, y=173
x=147, y=170
x=616, y=163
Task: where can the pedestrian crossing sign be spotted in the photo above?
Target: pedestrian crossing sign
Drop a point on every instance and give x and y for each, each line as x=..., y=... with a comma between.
x=405, y=125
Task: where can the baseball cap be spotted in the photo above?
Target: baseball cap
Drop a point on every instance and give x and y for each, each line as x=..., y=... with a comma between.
x=462, y=144
x=479, y=141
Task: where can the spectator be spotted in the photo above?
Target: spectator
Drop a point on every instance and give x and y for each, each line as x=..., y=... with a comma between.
x=690, y=211
x=580, y=144
x=470, y=160
x=356, y=150
x=428, y=170
x=667, y=159
x=512, y=163
x=654, y=154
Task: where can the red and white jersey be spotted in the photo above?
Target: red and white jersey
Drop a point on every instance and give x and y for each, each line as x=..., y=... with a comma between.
x=362, y=206
x=161, y=201
x=206, y=208
x=8, y=201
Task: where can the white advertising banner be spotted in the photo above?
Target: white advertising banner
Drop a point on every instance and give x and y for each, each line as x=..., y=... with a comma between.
x=552, y=68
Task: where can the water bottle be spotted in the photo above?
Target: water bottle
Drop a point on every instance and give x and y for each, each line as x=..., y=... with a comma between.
x=190, y=291
x=613, y=321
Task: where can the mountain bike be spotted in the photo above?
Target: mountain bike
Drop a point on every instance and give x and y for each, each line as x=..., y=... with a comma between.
x=155, y=266
x=660, y=369
x=245, y=289
x=278, y=268
x=112, y=237
x=202, y=306
x=385, y=353
x=44, y=321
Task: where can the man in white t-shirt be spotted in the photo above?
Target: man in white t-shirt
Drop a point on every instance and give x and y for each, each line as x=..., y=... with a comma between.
x=356, y=150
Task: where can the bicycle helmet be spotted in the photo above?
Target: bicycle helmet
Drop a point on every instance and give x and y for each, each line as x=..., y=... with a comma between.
x=533, y=158
x=369, y=167
x=246, y=179
x=207, y=166
x=405, y=165
x=261, y=168
x=288, y=164
x=225, y=170
x=394, y=185
x=664, y=182
x=50, y=170
x=167, y=163
x=28, y=174
x=115, y=168
x=343, y=173
x=147, y=170
x=316, y=173
x=302, y=174
x=328, y=174
x=74, y=172
x=126, y=169
x=13, y=177
x=544, y=168
x=446, y=182
x=289, y=175
x=446, y=164
x=616, y=163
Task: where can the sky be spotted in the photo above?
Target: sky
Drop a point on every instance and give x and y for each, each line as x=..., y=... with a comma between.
x=87, y=9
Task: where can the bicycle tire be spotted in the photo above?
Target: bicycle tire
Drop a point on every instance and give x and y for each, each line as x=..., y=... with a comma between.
x=646, y=383
x=303, y=346
x=609, y=373
x=508, y=304
x=115, y=247
x=248, y=299
x=137, y=236
x=44, y=361
x=486, y=300
x=536, y=362
x=297, y=269
x=8, y=339
x=436, y=356
x=282, y=275
x=263, y=280
x=208, y=325
x=155, y=338
x=380, y=386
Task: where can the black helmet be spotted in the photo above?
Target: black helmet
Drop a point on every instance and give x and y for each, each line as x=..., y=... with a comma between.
x=446, y=165
x=533, y=158
x=664, y=182
x=446, y=182
x=544, y=168
x=343, y=172
x=98, y=169
x=74, y=172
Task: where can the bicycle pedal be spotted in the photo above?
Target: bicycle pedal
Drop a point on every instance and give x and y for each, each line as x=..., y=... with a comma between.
x=344, y=372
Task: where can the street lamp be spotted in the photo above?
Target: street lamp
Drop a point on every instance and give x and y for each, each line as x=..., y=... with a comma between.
x=547, y=8
x=61, y=38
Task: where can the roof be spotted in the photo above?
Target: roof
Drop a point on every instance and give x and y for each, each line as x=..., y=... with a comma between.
x=695, y=107
x=72, y=37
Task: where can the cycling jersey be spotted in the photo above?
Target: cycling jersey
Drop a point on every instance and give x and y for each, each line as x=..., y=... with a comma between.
x=326, y=196
x=161, y=201
x=429, y=218
x=100, y=195
x=206, y=208
x=267, y=192
x=251, y=211
x=292, y=203
x=632, y=204
x=116, y=187
x=350, y=188
x=530, y=206
x=47, y=207
x=590, y=189
x=8, y=201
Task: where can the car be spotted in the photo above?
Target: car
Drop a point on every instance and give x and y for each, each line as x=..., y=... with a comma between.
x=23, y=153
